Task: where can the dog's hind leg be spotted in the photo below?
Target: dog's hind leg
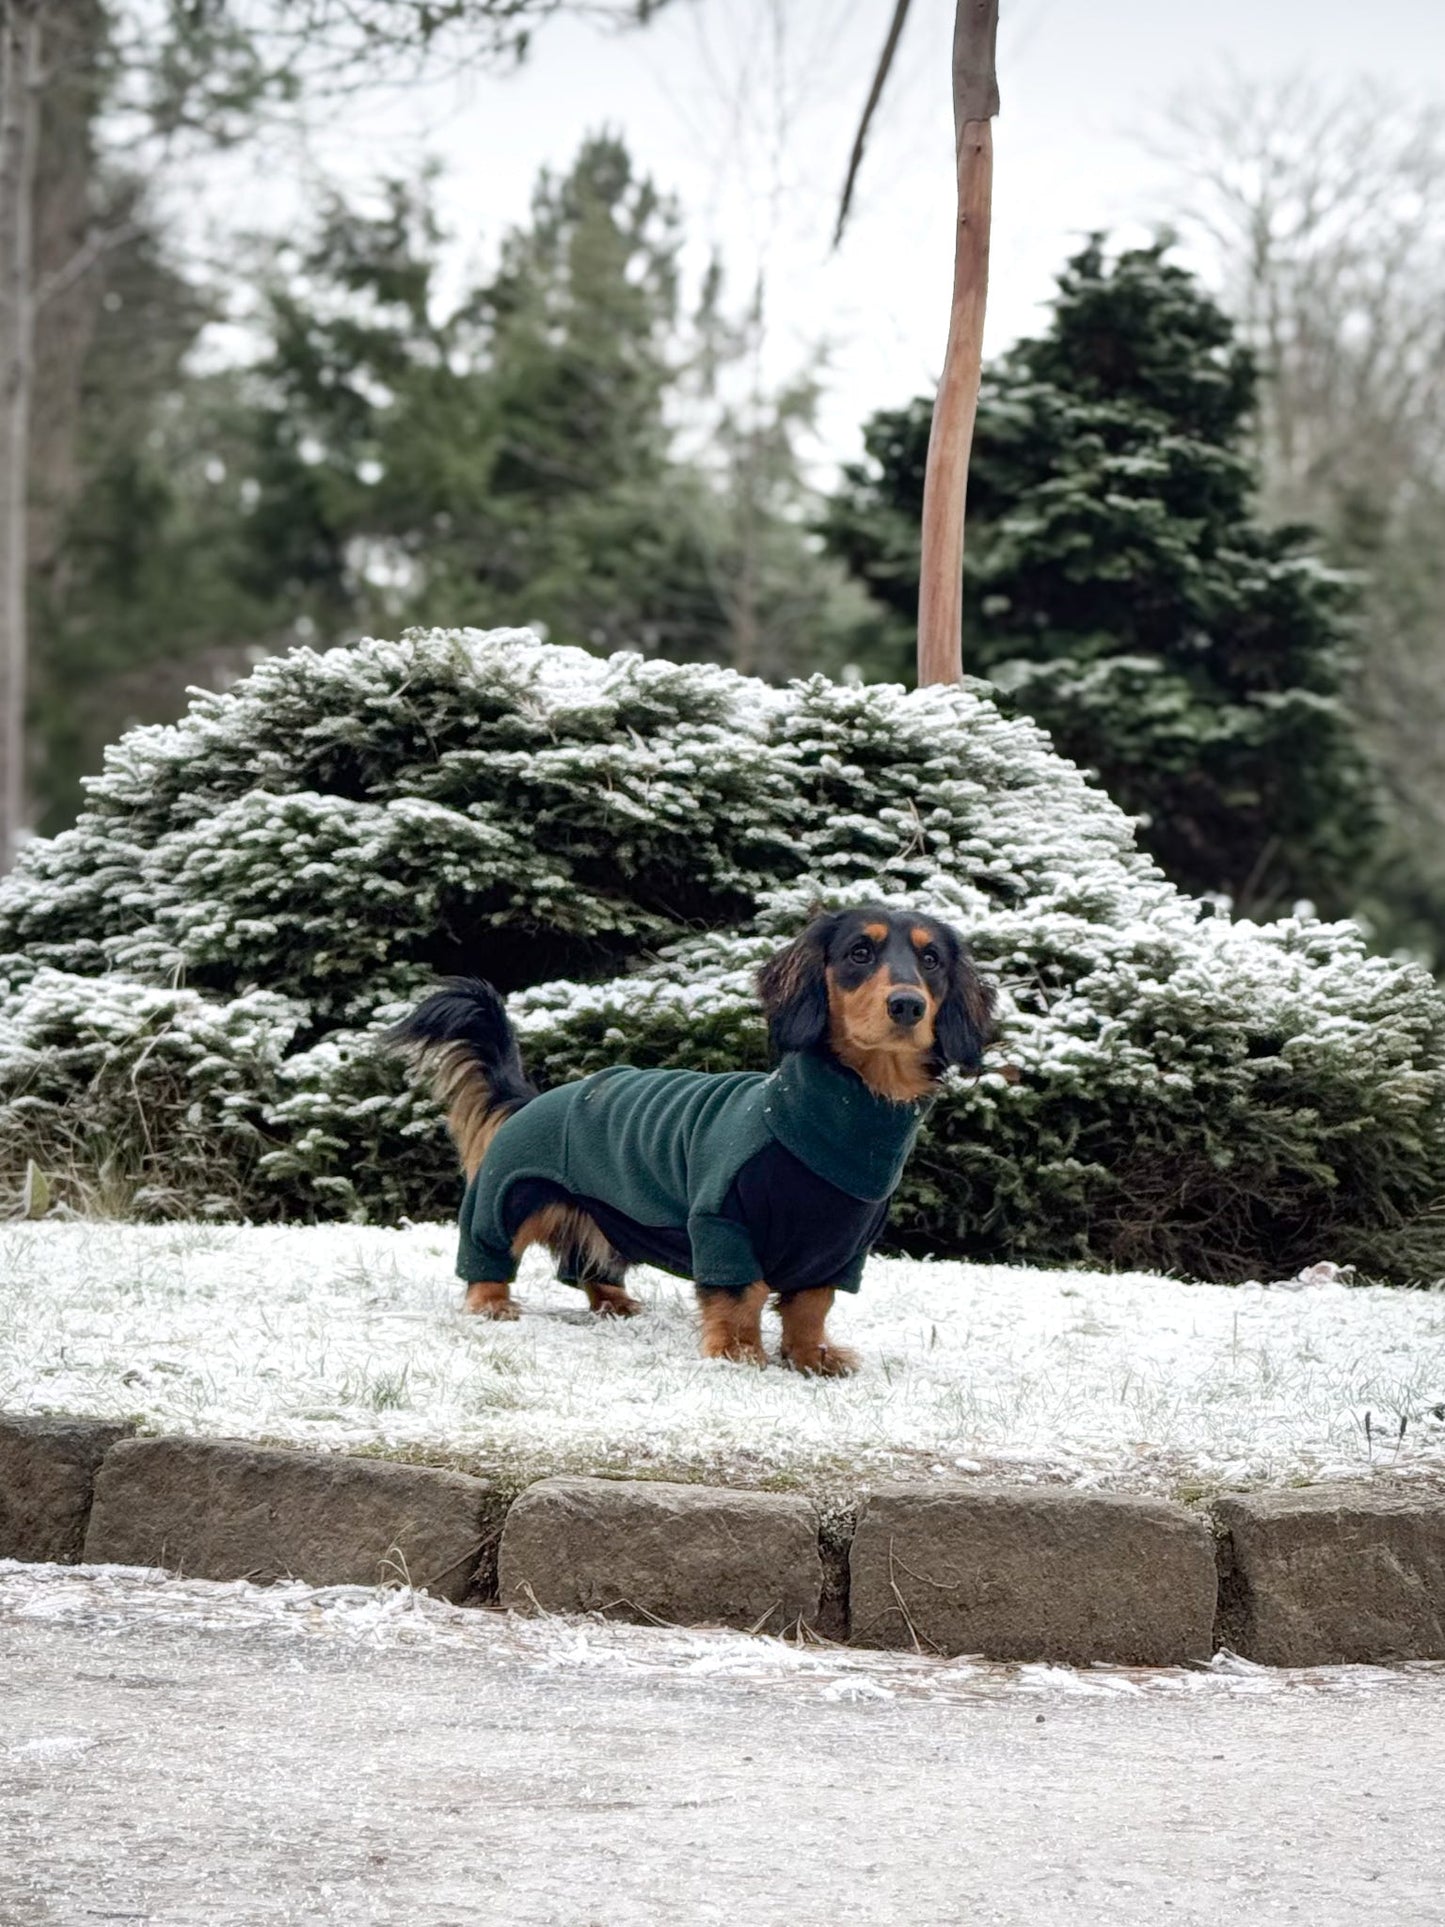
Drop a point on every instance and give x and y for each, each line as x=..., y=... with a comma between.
x=608, y=1297
x=604, y=1280
x=585, y=1258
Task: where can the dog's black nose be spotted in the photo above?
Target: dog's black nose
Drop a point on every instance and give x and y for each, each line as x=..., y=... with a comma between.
x=906, y=1007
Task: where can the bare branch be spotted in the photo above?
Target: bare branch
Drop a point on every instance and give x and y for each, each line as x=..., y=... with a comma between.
x=875, y=94
x=1326, y=212
x=97, y=244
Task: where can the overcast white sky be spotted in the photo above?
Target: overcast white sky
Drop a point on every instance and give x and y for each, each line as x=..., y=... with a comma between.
x=746, y=109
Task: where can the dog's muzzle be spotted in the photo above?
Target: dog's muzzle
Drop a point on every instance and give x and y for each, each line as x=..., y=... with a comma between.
x=906, y=1007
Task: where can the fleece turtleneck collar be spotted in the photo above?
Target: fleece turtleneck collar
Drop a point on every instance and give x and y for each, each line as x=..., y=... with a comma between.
x=829, y=1119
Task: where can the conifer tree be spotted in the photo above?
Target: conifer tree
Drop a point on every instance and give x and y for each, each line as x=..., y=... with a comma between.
x=168, y=78
x=513, y=458
x=1125, y=594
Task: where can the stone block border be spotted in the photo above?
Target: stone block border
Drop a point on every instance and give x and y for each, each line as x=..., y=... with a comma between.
x=1332, y=1574
x=1023, y=1572
x=47, y=1476
x=1320, y=1576
x=214, y=1509
x=681, y=1554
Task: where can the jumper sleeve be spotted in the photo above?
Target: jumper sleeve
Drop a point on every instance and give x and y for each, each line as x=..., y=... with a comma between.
x=483, y=1256
x=723, y=1258
x=479, y=1264
x=852, y=1277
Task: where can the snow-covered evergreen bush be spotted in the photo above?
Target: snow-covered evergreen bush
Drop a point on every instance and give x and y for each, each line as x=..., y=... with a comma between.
x=199, y=971
x=137, y=1099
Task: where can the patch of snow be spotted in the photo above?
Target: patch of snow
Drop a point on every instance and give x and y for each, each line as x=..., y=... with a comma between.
x=351, y=1338
x=111, y=1598
x=50, y=1746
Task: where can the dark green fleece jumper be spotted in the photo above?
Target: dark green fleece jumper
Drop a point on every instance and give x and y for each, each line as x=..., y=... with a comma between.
x=726, y=1178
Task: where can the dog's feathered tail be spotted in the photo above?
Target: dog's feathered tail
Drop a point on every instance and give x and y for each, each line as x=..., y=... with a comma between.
x=462, y=1035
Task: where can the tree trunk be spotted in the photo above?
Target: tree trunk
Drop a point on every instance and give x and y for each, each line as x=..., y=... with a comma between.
x=73, y=212
x=19, y=128
x=945, y=482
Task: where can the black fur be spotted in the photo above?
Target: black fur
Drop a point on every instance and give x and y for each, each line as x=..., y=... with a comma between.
x=468, y=1011
x=963, y=1028
x=793, y=987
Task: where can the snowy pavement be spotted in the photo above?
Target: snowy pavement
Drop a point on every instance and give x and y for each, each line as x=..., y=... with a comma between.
x=177, y=1752
x=351, y=1338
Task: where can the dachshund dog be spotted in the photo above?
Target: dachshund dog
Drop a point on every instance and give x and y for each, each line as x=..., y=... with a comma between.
x=749, y=1184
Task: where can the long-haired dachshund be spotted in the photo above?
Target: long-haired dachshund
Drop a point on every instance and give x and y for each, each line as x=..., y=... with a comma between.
x=748, y=1184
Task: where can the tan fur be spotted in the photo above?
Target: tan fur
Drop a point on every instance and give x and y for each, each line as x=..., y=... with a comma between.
x=610, y=1301
x=805, y=1338
x=490, y=1299
x=901, y=1078
x=567, y=1232
x=732, y=1324
x=473, y=1115
x=563, y=1229
x=864, y=1037
x=570, y=1233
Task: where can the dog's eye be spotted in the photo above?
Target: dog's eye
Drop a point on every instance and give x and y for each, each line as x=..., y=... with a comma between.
x=931, y=960
x=861, y=953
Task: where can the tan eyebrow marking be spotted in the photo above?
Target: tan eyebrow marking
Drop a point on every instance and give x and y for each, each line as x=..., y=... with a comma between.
x=921, y=936
x=877, y=931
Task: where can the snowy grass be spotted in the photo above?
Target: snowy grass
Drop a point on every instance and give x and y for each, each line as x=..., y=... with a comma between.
x=351, y=1339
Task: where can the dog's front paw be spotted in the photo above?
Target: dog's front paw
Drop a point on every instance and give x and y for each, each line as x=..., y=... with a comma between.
x=490, y=1300
x=821, y=1361
x=732, y=1324
x=741, y=1351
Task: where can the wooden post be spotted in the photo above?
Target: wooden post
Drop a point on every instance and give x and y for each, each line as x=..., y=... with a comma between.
x=945, y=482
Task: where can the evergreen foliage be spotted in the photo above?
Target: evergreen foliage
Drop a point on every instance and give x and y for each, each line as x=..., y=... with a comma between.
x=1120, y=589
x=516, y=454
x=394, y=458
x=194, y=979
x=128, y=534
x=148, y=589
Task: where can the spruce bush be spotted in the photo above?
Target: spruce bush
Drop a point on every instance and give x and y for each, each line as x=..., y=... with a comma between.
x=194, y=979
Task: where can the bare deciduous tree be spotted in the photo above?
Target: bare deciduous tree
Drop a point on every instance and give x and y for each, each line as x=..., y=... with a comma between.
x=950, y=441
x=1326, y=211
x=21, y=52
x=1325, y=214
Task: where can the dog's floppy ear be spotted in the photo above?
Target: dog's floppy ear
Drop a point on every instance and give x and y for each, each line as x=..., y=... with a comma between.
x=963, y=1027
x=794, y=989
